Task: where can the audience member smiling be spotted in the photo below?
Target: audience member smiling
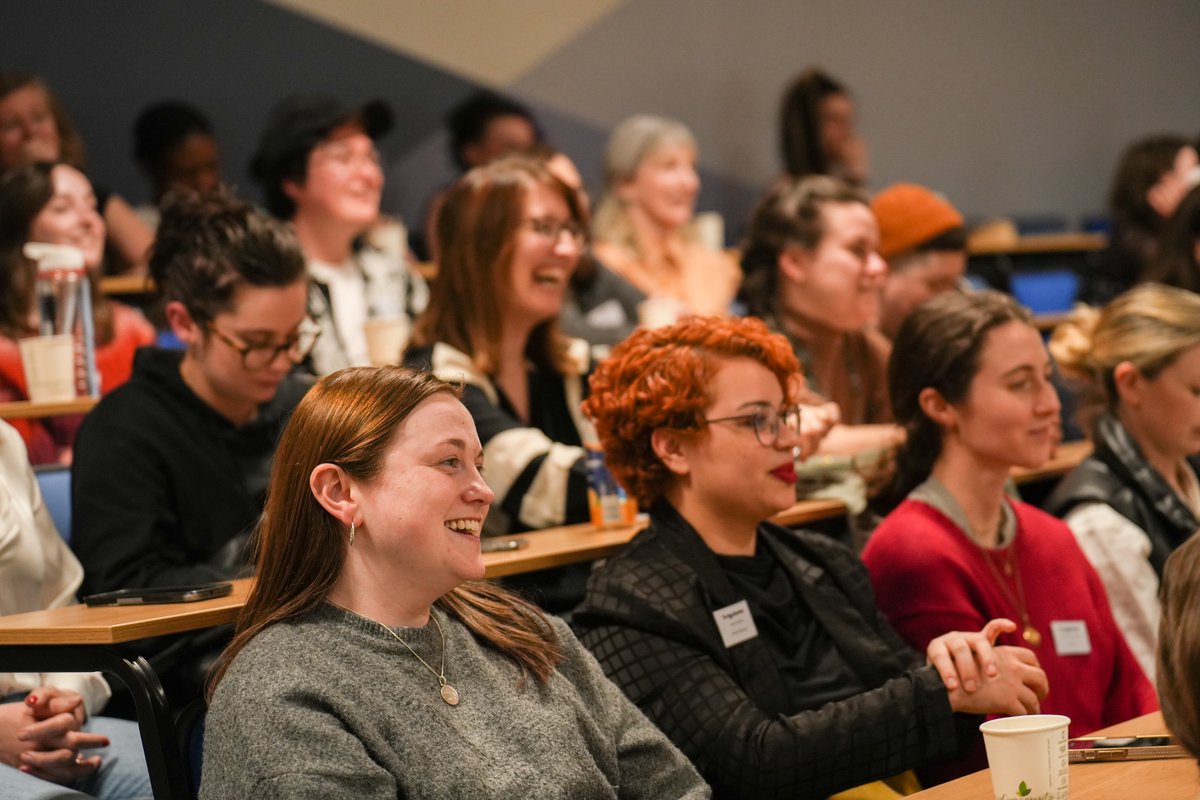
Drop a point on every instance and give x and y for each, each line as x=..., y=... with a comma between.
x=34, y=126
x=371, y=660
x=511, y=236
x=319, y=167
x=642, y=226
x=54, y=203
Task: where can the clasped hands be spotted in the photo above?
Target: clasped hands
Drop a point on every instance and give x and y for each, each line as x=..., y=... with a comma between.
x=42, y=736
x=982, y=678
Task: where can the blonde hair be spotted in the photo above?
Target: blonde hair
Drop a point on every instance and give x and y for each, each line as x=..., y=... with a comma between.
x=628, y=146
x=1148, y=326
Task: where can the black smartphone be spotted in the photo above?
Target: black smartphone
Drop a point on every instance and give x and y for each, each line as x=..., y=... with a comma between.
x=162, y=594
x=1123, y=748
x=501, y=545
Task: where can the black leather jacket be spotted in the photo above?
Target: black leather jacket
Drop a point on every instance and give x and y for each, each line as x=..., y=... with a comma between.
x=1117, y=475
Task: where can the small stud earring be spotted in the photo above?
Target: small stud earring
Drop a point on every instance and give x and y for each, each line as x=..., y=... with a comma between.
x=351, y=534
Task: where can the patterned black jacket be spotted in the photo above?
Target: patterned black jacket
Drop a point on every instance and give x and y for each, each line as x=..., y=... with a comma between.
x=648, y=618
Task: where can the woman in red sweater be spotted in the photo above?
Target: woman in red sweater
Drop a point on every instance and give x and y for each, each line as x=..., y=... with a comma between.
x=970, y=381
x=55, y=203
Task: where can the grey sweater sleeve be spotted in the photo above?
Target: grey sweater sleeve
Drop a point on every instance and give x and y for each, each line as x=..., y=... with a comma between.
x=299, y=749
x=650, y=766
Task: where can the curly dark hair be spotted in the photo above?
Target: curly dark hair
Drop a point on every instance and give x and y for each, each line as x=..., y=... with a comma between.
x=207, y=246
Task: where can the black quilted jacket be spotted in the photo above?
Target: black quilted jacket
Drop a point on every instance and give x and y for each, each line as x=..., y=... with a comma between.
x=648, y=618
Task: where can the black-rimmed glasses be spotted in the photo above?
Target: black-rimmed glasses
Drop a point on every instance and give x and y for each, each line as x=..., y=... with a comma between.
x=259, y=356
x=552, y=229
x=768, y=423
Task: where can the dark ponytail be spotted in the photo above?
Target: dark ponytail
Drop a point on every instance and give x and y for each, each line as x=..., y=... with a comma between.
x=938, y=347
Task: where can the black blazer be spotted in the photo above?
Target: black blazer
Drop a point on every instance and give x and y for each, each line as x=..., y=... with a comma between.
x=647, y=617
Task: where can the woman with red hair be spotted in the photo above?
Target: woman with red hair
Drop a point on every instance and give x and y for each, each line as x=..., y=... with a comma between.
x=759, y=651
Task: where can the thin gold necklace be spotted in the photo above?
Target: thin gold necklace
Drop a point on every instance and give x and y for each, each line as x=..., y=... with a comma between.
x=448, y=692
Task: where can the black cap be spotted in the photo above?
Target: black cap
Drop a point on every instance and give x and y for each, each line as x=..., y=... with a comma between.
x=299, y=122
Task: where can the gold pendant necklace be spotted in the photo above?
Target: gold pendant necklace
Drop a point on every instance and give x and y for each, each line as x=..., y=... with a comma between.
x=449, y=693
x=1030, y=634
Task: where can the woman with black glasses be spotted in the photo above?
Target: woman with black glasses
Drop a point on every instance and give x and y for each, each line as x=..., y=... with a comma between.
x=759, y=651
x=510, y=235
x=170, y=469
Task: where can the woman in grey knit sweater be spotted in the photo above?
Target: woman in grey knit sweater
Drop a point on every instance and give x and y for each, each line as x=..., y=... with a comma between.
x=370, y=662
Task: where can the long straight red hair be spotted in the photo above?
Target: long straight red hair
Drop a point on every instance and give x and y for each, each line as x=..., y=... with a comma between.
x=349, y=419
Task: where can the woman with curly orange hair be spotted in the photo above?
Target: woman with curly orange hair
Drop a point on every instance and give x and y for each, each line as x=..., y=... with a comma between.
x=759, y=651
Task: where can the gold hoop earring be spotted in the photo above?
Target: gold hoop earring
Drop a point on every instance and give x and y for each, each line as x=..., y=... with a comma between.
x=351, y=534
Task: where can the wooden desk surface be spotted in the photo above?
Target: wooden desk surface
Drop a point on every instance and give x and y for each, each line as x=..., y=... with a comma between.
x=126, y=284
x=25, y=409
x=572, y=543
x=1068, y=455
x=1041, y=243
x=80, y=624
x=1167, y=779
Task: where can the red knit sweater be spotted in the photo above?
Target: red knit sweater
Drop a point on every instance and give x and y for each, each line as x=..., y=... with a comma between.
x=930, y=578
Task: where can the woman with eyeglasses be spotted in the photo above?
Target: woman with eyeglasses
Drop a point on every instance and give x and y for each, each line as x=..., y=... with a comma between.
x=319, y=168
x=759, y=651
x=170, y=469
x=510, y=235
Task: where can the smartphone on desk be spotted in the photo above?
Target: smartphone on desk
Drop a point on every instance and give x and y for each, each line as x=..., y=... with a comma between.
x=161, y=594
x=1123, y=748
x=498, y=545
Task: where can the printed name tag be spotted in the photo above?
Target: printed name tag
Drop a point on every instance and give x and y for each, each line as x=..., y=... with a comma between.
x=1071, y=637
x=735, y=623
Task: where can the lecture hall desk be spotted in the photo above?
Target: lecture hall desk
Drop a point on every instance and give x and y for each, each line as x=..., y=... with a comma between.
x=77, y=638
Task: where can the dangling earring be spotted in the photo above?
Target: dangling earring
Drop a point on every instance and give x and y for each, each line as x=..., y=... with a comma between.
x=351, y=534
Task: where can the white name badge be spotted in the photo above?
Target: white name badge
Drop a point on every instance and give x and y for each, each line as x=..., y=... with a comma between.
x=1071, y=637
x=735, y=623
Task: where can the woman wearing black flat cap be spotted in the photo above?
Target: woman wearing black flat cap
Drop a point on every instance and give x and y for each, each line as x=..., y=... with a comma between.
x=319, y=168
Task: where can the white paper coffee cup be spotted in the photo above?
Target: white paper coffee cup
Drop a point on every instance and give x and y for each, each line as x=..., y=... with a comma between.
x=386, y=339
x=49, y=363
x=1027, y=756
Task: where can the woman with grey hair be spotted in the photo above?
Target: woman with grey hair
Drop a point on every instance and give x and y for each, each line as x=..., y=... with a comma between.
x=643, y=225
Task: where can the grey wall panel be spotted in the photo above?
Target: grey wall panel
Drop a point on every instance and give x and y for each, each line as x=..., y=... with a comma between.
x=1014, y=107
x=232, y=58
